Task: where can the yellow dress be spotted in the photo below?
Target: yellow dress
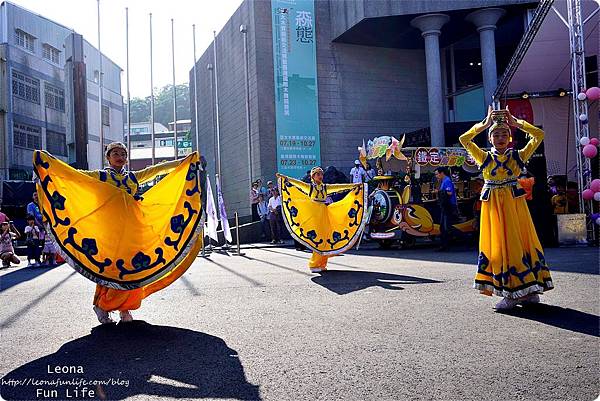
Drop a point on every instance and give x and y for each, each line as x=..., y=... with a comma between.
x=511, y=260
x=326, y=229
x=130, y=245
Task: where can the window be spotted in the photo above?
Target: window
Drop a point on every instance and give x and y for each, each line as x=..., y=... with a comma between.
x=25, y=87
x=139, y=131
x=96, y=76
x=27, y=136
x=105, y=115
x=591, y=71
x=55, y=97
x=24, y=40
x=50, y=53
x=56, y=143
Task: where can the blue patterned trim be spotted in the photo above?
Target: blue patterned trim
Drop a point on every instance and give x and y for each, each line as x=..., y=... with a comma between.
x=517, y=158
x=487, y=161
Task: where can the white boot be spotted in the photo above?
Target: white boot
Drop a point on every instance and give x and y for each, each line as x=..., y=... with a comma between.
x=103, y=316
x=531, y=299
x=125, y=316
x=506, y=304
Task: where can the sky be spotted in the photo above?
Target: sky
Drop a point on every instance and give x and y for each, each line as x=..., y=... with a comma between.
x=81, y=15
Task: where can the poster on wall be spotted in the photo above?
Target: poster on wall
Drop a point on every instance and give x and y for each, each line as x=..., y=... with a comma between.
x=295, y=73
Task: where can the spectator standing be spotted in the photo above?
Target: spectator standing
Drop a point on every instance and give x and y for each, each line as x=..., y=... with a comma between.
x=358, y=173
x=261, y=189
x=254, y=201
x=270, y=188
x=33, y=209
x=275, y=217
x=370, y=172
x=263, y=213
x=552, y=186
x=32, y=240
x=448, y=205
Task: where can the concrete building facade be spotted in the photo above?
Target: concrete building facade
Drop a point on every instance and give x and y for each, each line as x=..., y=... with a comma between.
x=383, y=68
x=37, y=101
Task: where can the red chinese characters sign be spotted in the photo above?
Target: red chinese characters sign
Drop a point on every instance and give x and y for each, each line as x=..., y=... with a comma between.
x=447, y=157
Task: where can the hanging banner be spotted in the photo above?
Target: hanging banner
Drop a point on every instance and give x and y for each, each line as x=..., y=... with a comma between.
x=211, y=213
x=295, y=72
x=223, y=214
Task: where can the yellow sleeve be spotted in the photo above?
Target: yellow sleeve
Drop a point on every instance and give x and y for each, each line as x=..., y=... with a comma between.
x=536, y=136
x=303, y=186
x=91, y=173
x=150, y=172
x=475, y=151
x=335, y=188
x=331, y=188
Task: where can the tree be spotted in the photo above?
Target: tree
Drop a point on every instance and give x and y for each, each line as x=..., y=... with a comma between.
x=140, y=110
x=163, y=105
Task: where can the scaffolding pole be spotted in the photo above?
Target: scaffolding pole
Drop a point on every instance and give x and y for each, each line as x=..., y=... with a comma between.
x=580, y=107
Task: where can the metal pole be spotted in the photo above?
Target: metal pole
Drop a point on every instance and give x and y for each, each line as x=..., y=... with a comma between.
x=237, y=233
x=217, y=107
x=128, y=95
x=196, y=93
x=244, y=32
x=174, y=89
x=152, y=99
x=100, y=93
x=212, y=109
x=578, y=83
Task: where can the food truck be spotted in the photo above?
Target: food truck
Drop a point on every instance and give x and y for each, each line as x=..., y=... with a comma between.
x=403, y=194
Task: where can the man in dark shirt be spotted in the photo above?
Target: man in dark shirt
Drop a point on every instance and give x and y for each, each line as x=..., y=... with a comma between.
x=448, y=204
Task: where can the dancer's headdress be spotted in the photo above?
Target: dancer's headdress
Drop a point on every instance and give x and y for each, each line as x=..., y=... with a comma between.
x=114, y=145
x=314, y=170
x=499, y=122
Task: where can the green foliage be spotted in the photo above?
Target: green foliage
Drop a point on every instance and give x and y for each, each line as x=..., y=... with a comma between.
x=163, y=105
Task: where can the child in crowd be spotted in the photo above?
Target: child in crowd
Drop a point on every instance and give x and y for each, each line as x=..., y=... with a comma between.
x=49, y=252
x=7, y=251
x=263, y=213
x=32, y=240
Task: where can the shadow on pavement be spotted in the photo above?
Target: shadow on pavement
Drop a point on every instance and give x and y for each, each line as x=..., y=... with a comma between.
x=564, y=318
x=344, y=282
x=572, y=260
x=20, y=275
x=152, y=360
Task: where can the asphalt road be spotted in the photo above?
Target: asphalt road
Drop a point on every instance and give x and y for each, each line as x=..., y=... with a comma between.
x=381, y=325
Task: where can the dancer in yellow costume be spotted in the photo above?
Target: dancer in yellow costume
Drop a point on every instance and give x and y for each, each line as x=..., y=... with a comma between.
x=328, y=229
x=511, y=259
x=130, y=245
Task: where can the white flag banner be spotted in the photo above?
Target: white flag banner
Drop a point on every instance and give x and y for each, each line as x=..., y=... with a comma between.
x=211, y=213
x=223, y=213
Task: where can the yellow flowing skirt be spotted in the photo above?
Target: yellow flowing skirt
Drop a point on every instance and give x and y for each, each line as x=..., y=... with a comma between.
x=325, y=229
x=511, y=259
x=116, y=240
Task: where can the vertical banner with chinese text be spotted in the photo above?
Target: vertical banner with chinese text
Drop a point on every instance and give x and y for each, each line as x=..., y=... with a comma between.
x=295, y=72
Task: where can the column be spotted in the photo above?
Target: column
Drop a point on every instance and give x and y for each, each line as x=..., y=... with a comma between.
x=485, y=22
x=430, y=26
